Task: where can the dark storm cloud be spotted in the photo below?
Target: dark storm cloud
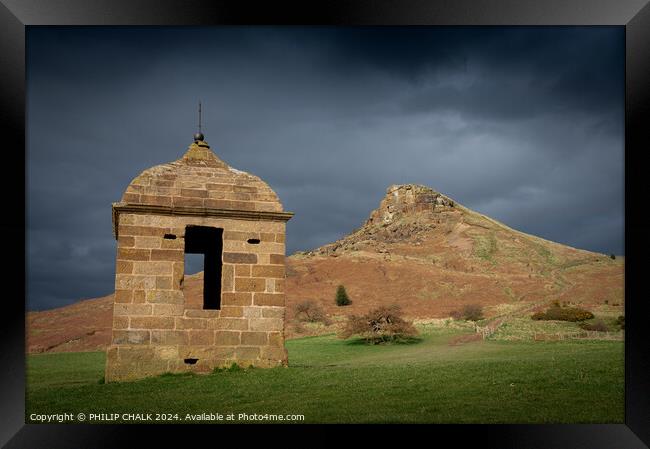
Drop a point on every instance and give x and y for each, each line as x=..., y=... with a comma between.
x=522, y=124
x=523, y=73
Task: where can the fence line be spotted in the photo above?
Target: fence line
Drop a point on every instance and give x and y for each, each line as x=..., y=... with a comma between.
x=595, y=335
x=487, y=331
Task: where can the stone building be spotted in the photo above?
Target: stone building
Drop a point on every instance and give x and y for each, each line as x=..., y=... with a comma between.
x=197, y=205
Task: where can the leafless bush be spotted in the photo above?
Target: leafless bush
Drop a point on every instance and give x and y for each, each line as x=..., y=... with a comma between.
x=598, y=325
x=469, y=312
x=473, y=312
x=379, y=326
x=310, y=311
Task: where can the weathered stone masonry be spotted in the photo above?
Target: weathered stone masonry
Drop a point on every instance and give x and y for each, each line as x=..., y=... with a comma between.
x=155, y=329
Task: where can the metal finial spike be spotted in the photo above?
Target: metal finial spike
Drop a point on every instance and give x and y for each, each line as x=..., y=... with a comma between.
x=199, y=136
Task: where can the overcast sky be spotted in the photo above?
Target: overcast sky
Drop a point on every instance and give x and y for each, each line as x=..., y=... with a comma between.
x=522, y=124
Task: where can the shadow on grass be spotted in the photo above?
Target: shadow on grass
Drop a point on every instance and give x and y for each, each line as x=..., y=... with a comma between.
x=307, y=337
x=400, y=341
x=170, y=374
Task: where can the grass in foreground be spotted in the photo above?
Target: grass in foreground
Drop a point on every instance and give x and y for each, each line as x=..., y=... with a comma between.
x=332, y=380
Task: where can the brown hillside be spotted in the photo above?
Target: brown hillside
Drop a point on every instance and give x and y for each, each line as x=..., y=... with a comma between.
x=82, y=326
x=419, y=249
x=431, y=255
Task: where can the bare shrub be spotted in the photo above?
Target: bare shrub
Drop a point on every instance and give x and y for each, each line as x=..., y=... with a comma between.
x=598, y=325
x=556, y=312
x=310, y=311
x=472, y=312
x=469, y=312
x=381, y=325
x=538, y=316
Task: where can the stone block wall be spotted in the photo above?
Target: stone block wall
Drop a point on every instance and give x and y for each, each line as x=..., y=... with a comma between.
x=155, y=330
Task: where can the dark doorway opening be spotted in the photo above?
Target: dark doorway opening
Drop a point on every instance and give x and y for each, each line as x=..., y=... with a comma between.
x=208, y=242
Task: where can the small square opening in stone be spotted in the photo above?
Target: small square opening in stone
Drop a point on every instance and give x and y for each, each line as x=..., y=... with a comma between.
x=208, y=242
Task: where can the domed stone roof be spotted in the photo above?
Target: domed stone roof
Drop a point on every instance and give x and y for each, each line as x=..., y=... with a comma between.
x=199, y=183
x=201, y=180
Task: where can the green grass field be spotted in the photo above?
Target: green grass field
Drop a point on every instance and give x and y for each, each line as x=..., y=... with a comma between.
x=337, y=381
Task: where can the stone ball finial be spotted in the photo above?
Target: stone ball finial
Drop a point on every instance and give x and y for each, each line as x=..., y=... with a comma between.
x=198, y=137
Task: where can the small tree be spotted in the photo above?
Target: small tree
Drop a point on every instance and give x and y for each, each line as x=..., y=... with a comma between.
x=342, y=298
x=613, y=256
x=381, y=325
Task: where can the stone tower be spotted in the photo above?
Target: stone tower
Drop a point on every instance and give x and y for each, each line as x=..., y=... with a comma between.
x=197, y=205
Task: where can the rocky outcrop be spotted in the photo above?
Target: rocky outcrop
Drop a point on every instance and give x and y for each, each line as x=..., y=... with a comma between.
x=407, y=213
x=407, y=199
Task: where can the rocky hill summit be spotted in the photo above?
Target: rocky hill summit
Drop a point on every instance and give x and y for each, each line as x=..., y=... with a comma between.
x=405, y=214
x=408, y=199
x=417, y=222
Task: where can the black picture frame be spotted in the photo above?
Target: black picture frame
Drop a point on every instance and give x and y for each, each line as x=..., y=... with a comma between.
x=634, y=15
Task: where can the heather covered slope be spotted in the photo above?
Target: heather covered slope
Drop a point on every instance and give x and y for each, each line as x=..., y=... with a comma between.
x=419, y=249
x=82, y=326
x=429, y=254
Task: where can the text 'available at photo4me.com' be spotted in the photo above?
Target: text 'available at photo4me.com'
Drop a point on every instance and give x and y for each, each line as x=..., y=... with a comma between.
x=162, y=417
